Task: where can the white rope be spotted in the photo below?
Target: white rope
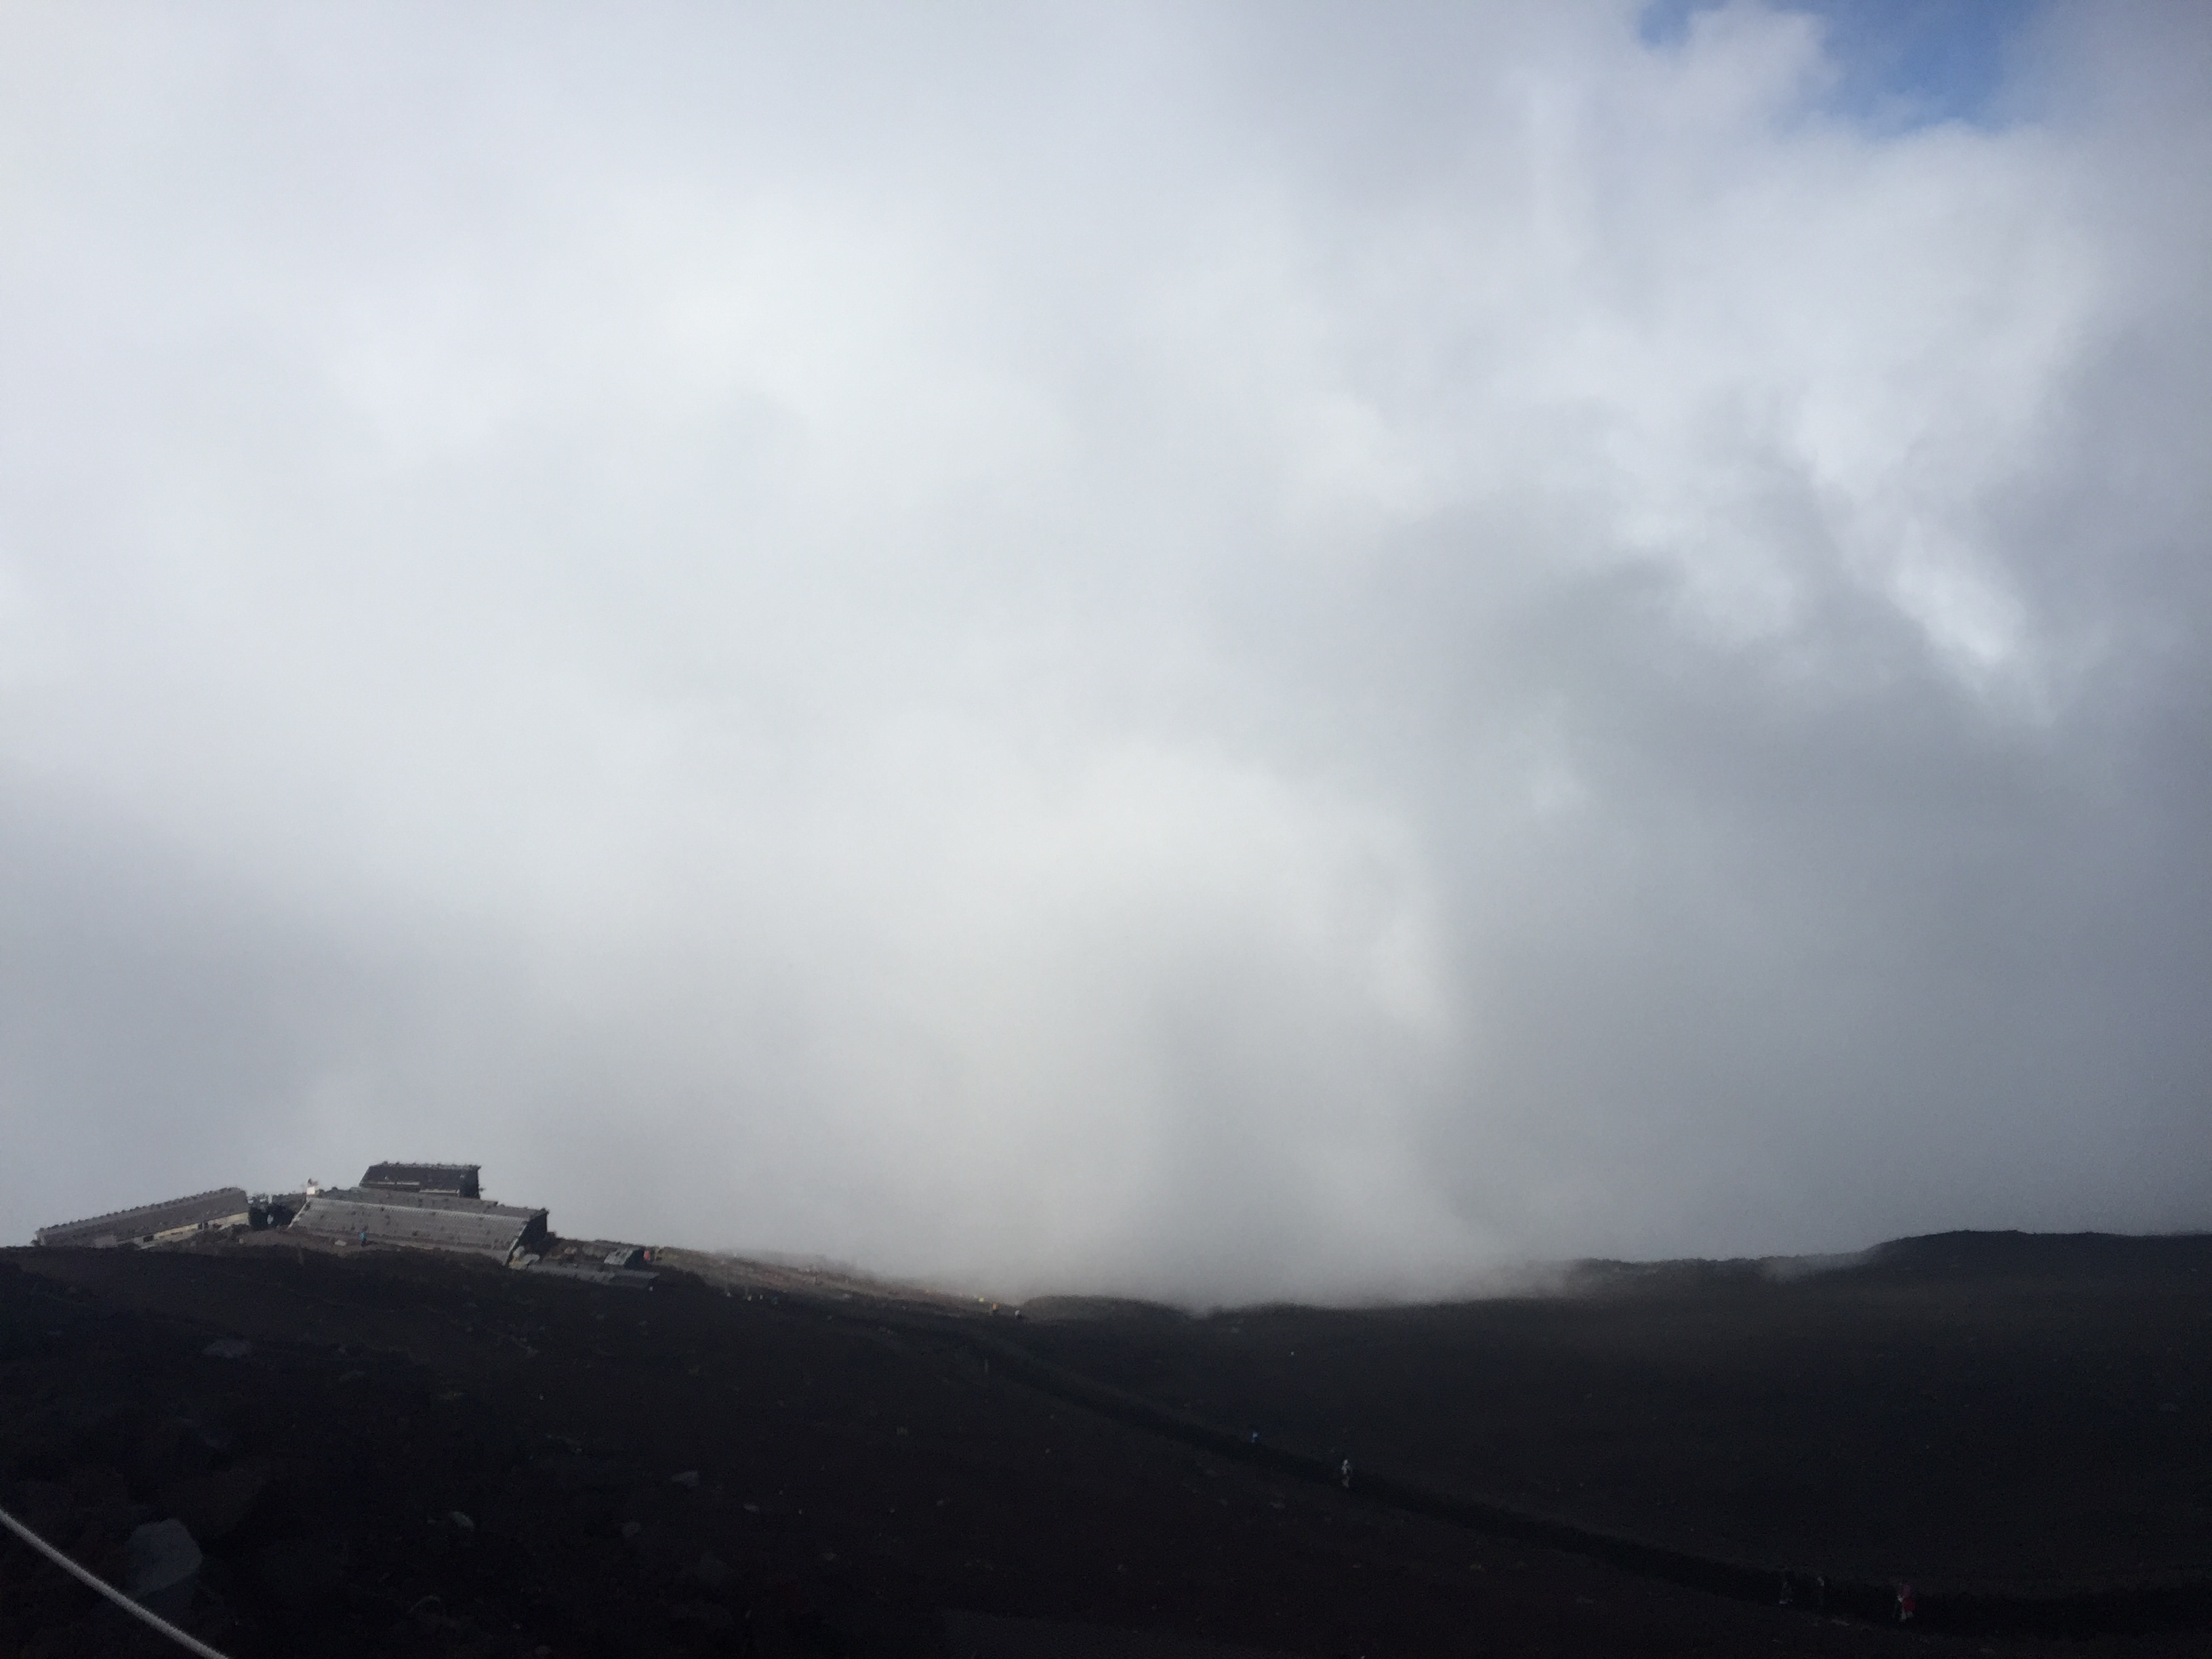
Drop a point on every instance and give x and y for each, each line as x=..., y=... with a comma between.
x=107, y=1590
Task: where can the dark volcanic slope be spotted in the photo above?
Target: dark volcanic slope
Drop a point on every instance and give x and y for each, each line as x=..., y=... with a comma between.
x=1994, y=1410
x=859, y=1472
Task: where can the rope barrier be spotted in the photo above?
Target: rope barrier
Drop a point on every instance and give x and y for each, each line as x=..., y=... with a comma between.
x=107, y=1590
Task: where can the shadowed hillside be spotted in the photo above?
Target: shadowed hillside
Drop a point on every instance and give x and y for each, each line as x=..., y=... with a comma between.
x=1988, y=1410
x=391, y=1452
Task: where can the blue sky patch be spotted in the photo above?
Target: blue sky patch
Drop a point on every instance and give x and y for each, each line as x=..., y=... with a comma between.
x=1904, y=64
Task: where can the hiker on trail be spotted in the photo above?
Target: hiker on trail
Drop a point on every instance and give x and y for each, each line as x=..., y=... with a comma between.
x=1907, y=1604
x=1345, y=1473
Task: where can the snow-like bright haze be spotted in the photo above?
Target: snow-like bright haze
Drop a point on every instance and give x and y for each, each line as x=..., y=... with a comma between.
x=1201, y=650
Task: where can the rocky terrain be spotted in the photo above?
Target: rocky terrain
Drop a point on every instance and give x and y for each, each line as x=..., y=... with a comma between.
x=391, y=1452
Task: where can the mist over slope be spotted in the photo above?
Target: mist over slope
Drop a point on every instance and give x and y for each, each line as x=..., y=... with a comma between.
x=1214, y=655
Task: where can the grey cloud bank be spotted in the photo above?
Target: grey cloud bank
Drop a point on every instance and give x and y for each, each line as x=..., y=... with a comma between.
x=1220, y=652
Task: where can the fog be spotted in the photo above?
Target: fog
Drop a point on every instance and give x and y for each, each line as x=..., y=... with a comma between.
x=1216, y=652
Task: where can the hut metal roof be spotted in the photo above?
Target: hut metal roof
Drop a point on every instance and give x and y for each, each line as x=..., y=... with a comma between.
x=458, y=1178
x=219, y=1203
x=424, y=1220
x=394, y=1198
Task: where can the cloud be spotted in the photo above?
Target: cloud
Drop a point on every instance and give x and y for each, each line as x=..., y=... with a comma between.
x=1221, y=654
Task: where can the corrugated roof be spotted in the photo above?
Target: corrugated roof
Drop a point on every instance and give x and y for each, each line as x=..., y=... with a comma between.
x=220, y=1204
x=424, y=1220
x=405, y=1200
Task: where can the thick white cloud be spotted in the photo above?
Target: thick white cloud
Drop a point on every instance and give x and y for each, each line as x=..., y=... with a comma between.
x=1218, y=651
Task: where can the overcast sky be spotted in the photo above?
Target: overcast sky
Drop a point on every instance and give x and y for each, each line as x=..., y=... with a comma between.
x=1201, y=650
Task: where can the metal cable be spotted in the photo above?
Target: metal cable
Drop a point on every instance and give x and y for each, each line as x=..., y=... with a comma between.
x=107, y=1590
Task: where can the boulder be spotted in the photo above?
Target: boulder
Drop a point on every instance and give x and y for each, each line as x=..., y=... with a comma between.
x=162, y=1566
